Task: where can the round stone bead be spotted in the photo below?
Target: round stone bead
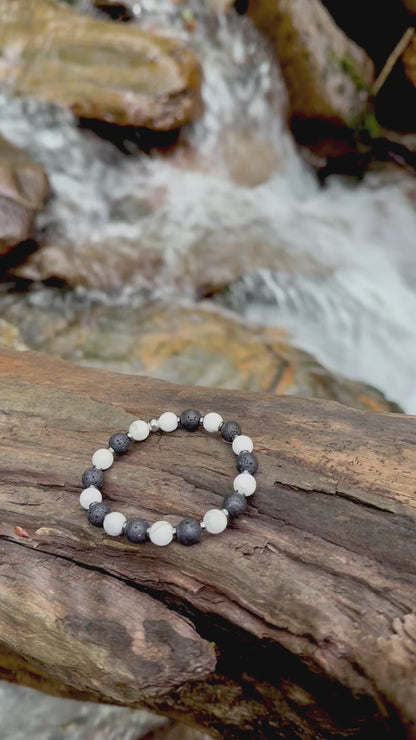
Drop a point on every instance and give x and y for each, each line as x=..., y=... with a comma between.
x=136, y=530
x=103, y=459
x=242, y=443
x=190, y=420
x=97, y=512
x=245, y=483
x=89, y=496
x=119, y=442
x=113, y=523
x=235, y=503
x=188, y=531
x=139, y=430
x=168, y=421
x=161, y=533
x=229, y=430
x=247, y=461
x=215, y=521
x=93, y=477
x=212, y=422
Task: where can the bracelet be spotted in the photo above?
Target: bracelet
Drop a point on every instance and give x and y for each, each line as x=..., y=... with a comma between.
x=187, y=531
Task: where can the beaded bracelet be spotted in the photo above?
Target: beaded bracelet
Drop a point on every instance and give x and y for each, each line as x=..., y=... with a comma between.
x=187, y=531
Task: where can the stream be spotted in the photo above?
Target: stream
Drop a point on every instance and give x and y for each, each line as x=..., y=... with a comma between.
x=338, y=264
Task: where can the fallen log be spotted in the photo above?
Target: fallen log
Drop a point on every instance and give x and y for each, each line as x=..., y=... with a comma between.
x=298, y=621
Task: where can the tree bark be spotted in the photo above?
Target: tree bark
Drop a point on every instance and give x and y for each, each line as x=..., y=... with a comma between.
x=297, y=622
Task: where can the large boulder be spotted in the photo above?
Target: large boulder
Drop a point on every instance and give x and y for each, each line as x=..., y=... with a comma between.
x=205, y=266
x=116, y=73
x=194, y=346
x=327, y=74
x=23, y=189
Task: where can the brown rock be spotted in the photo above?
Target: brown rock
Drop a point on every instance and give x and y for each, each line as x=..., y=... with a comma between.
x=250, y=158
x=100, y=70
x=95, y=265
x=327, y=74
x=207, y=266
x=23, y=188
x=194, y=346
x=10, y=337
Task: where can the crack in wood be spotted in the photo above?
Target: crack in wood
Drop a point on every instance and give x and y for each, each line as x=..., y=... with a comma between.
x=301, y=594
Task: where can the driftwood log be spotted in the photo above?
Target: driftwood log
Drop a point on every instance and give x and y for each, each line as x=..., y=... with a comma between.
x=298, y=622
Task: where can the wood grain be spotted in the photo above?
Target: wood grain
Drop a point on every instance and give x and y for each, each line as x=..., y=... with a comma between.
x=309, y=598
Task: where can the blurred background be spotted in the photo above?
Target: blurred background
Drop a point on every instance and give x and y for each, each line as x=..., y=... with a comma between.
x=211, y=193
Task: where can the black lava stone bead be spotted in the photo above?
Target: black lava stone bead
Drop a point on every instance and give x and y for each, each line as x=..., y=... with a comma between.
x=247, y=461
x=188, y=531
x=190, y=420
x=93, y=477
x=97, y=512
x=136, y=530
x=229, y=430
x=235, y=504
x=120, y=442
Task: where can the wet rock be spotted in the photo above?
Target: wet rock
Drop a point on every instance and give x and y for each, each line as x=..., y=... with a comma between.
x=10, y=337
x=23, y=189
x=204, y=266
x=327, y=74
x=117, y=73
x=177, y=237
x=192, y=346
x=27, y=713
x=96, y=264
x=250, y=158
x=170, y=221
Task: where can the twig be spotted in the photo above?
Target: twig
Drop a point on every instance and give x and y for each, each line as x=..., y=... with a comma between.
x=392, y=59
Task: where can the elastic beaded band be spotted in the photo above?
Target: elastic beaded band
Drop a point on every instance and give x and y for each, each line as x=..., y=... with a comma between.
x=187, y=531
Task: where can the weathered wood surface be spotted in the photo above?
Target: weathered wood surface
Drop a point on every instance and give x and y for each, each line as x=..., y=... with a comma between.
x=310, y=598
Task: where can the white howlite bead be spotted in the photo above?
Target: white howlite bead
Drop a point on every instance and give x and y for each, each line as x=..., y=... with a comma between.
x=113, y=523
x=103, y=458
x=215, y=521
x=242, y=443
x=168, y=421
x=139, y=430
x=89, y=496
x=161, y=533
x=212, y=422
x=245, y=483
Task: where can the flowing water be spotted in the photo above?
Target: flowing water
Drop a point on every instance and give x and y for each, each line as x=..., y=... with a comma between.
x=345, y=287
